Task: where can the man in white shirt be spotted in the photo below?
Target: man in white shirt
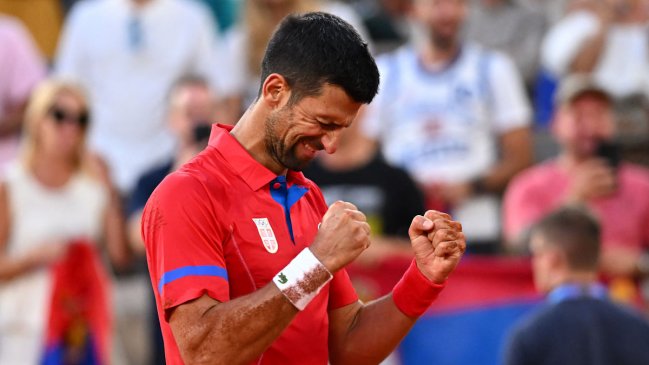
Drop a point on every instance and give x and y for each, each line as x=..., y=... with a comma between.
x=455, y=116
x=128, y=53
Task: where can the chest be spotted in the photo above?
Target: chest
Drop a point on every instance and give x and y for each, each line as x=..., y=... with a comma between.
x=454, y=99
x=264, y=236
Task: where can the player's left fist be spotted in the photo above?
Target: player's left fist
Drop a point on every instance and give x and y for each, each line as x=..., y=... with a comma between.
x=438, y=243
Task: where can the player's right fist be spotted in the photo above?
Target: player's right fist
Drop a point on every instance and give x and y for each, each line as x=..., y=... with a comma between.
x=344, y=233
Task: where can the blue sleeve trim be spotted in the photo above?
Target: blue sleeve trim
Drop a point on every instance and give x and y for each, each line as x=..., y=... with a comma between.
x=207, y=270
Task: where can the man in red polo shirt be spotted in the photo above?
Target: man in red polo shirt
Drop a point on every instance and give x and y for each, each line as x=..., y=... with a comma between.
x=247, y=261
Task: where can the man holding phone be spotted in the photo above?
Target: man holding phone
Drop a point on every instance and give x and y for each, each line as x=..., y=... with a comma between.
x=586, y=172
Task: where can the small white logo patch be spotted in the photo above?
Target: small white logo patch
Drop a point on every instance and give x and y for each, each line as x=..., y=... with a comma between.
x=266, y=233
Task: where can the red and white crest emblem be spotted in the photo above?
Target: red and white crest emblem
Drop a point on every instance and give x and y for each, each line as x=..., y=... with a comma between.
x=266, y=233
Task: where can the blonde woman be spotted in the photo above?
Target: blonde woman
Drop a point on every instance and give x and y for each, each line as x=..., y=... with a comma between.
x=55, y=194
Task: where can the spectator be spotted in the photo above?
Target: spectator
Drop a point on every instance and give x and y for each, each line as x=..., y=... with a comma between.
x=128, y=54
x=388, y=196
x=192, y=107
x=582, y=174
x=387, y=22
x=21, y=68
x=511, y=28
x=609, y=40
x=246, y=43
x=455, y=116
x=55, y=195
x=578, y=325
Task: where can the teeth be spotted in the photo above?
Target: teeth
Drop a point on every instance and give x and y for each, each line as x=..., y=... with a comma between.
x=308, y=146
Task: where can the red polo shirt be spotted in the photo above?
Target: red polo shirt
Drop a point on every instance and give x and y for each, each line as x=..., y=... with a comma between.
x=224, y=225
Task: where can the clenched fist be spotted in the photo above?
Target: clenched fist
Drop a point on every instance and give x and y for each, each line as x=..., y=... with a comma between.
x=344, y=233
x=438, y=243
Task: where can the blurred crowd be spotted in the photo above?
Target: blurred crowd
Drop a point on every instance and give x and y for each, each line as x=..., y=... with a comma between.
x=497, y=111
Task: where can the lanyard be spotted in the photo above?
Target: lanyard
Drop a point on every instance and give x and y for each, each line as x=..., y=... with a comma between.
x=571, y=291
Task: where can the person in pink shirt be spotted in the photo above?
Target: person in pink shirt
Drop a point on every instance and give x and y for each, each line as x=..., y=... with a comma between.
x=21, y=68
x=586, y=172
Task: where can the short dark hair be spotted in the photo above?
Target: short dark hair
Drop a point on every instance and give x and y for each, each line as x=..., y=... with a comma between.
x=576, y=232
x=314, y=49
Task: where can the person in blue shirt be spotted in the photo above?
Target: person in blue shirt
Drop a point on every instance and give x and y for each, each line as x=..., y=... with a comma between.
x=578, y=324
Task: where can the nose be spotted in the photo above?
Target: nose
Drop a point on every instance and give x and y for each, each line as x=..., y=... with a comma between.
x=330, y=141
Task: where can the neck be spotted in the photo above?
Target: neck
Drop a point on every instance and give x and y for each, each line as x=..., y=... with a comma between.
x=249, y=132
x=435, y=57
x=570, y=160
x=575, y=277
x=51, y=170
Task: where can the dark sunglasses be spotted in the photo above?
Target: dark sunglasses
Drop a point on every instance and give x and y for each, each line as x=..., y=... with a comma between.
x=61, y=116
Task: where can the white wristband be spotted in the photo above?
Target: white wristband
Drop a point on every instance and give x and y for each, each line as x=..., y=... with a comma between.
x=302, y=279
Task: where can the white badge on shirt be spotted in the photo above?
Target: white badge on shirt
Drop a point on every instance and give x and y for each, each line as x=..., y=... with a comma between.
x=266, y=233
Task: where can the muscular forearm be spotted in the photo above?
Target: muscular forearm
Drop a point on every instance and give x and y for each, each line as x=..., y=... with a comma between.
x=377, y=328
x=12, y=268
x=234, y=332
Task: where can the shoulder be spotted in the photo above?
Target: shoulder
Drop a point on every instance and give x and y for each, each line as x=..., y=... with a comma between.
x=529, y=328
x=392, y=65
x=400, y=57
x=203, y=180
x=497, y=62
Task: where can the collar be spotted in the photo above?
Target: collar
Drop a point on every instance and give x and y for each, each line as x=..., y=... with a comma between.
x=250, y=170
x=572, y=291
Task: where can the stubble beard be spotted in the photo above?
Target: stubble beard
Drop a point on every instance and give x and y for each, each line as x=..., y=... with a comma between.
x=278, y=150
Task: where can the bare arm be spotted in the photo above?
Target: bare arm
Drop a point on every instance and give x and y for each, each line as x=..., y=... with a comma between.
x=590, y=52
x=516, y=154
x=234, y=332
x=12, y=267
x=114, y=222
x=134, y=233
x=366, y=334
x=238, y=331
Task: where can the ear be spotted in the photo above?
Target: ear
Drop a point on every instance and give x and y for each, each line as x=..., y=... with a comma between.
x=275, y=91
x=557, y=260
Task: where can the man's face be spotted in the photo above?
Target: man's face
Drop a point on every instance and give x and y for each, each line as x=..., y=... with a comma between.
x=542, y=262
x=442, y=20
x=191, y=105
x=582, y=124
x=295, y=133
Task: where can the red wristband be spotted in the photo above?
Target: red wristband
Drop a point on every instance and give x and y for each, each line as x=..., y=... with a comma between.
x=414, y=293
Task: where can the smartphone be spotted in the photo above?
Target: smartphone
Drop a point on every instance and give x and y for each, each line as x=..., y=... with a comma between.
x=609, y=152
